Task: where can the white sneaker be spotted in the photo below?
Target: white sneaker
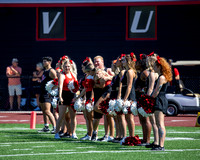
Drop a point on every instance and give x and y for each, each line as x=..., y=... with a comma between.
x=110, y=139
x=74, y=136
x=57, y=136
x=86, y=138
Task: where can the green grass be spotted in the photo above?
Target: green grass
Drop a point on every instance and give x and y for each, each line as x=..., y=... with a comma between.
x=18, y=142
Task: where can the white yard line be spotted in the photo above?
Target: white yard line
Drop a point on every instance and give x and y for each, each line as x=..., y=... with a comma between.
x=26, y=149
x=88, y=152
x=43, y=146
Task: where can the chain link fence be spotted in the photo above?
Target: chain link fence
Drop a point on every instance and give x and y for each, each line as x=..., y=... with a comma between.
x=29, y=102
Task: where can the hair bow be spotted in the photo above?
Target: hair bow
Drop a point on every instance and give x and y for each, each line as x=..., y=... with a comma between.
x=151, y=54
x=122, y=55
x=71, y=61
x=86, y=59
x=133, y=59
x=158, y=59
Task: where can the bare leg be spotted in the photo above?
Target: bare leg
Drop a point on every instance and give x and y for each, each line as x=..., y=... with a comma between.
x=47, y=110
x=68, y=122
x=19, y=101
x=111, y=124
x=11, y=99
x=73, y=120
x=117, y=128
x=159, y=116
x=122, y=122
x=106, y=125
x=45, y=118
x=89, y=116
x=155, y=129
x=86, y=119
x=146, y=128
x=131, y=124
x=62, y=110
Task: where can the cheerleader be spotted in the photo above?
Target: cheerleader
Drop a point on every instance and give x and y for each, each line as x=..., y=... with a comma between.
x=88, y=83
x=151, y=82
x=66, y=94
x=165, y=75
x=116, y=69
x=141, y=88
x=66, y=128
x=127, y=89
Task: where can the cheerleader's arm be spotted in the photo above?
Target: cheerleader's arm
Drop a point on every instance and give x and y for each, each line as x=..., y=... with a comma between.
x=120, y=84
x=151, y=83
x=60, y=86
x=130, y=76
x=159, y=85
x=80, y=95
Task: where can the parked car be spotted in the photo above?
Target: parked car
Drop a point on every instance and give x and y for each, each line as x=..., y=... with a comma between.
x=184, y=102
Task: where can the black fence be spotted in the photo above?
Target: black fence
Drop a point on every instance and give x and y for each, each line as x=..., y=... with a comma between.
x=28, y=101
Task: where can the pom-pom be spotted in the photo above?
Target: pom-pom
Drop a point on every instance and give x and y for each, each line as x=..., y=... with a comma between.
x=79, y=105
x=126, y=106
x=49, y=87
x=131, y=141
x=119, y=105
x=145, y=105
x=54, y=102
x=134, y=108
x=89, y=105
x=104, y=106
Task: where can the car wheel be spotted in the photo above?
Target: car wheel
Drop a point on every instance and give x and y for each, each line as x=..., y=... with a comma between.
x=172, y=110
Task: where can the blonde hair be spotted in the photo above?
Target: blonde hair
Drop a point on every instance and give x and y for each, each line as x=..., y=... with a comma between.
x=131, y=63
x=73, y=66
x=114, y=68
x=165, y=68
x=150, y=61
x=40, y=65
x=100, y=57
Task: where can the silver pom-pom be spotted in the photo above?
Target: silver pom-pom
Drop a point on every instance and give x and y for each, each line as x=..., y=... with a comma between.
x=134, y=108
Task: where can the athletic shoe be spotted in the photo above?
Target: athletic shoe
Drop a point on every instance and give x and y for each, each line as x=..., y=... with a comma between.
x=143, y=143
x=74, y=136
x=103, y=139
x=45, y=130
x=57, y=136
x=86, y=138
x=116, y=140
x=152, y=145
x=94, y=136
x=65, y=135
x=110, y=139
x=158, y=148
x=53, y=131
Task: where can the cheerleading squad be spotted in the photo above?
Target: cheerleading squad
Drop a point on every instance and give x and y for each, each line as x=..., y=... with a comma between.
x=130, y=87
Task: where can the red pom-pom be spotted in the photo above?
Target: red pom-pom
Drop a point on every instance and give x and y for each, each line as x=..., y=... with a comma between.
x=147, y=103
x=104, y=106
x=76, y=86
x=55, y=81
x=132, y=141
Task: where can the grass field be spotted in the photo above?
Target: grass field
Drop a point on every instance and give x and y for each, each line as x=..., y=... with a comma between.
x=18, y=142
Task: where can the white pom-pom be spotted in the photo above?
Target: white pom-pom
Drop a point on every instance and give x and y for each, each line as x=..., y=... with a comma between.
x=78, y=105
x=111, y=105
x=54, y=102
x=49, y=86
x=134, y=108
x=89, y=107
x=126, y=105
x=142, y=112
x=124, y=110
x=119, y=105
x=71, y=85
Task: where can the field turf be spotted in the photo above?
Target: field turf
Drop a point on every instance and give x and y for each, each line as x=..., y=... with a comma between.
x=18, y=142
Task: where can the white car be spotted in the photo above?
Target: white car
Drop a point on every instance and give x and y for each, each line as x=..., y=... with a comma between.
x=184, y=102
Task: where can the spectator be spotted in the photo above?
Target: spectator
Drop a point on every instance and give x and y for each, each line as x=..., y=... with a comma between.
x=13, y=73
x=37, y=76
